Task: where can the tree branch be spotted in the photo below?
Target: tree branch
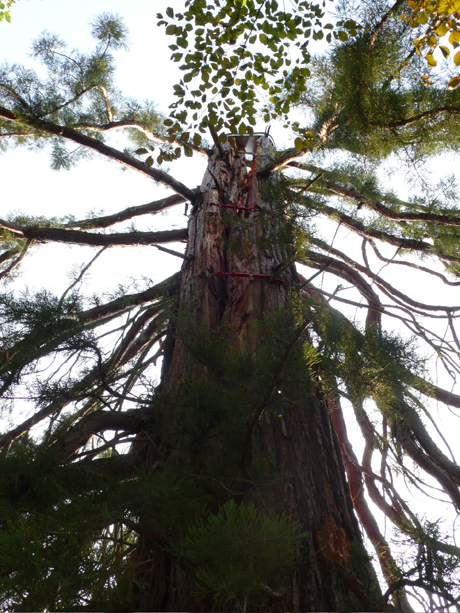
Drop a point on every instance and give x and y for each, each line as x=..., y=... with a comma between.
x=382, y=22
x=403, y=243
x=52, y=129
x=13, y=265
x=98, y=421
x=135, y=125
x=355, y=481
x=133, y=211
x=282, y=160
x=411, y=265
x=77, y=237
x=125, y=303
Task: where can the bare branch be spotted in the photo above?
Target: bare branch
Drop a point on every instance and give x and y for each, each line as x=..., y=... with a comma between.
x=411, y=265
x=365, y=515
x=134, y=211
x=77, y=237
x=80, y=276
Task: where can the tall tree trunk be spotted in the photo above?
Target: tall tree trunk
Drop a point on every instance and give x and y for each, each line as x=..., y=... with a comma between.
x=298, y=443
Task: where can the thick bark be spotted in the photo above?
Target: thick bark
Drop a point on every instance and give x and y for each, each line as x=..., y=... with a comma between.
x=308, y=483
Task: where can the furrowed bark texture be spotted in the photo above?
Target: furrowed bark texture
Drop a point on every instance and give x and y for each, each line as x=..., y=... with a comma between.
x=310, y=485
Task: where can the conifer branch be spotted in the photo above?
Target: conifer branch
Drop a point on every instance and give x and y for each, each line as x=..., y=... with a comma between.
x=346, y=272
x=368, y=232
x=98, y=421
x=132, y=344
x=136, y=125
x=76, y=98
x=280, y=161
x=7, y=255
x=382, y=22
x=421, y=116
x=446, y=219
x=127, y=302
x=52, y=129
x=80, y=276
x=17, y=261
x=406, y=440
x=11, y=228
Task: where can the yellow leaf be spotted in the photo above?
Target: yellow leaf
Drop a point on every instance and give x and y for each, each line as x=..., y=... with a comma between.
x=454, y=37
x=422, y=18
x=442, y=29
x=457, y=58
x=454, y=83
x=430, y=59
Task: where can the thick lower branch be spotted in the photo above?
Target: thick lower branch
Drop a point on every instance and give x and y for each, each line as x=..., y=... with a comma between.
x=130, y=301
x=76, y=237
x=98, y=421
x=282, y=160
x=365, y=515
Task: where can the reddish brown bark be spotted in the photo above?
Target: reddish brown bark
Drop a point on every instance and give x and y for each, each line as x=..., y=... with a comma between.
x=308, y=482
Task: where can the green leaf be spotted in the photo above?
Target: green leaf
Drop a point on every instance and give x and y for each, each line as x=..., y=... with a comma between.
x=445, y=51
x=454, y=83
x=457, y=58
x=149, y=161
x=171, y=30
x=298, y=143
x=143, y=151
